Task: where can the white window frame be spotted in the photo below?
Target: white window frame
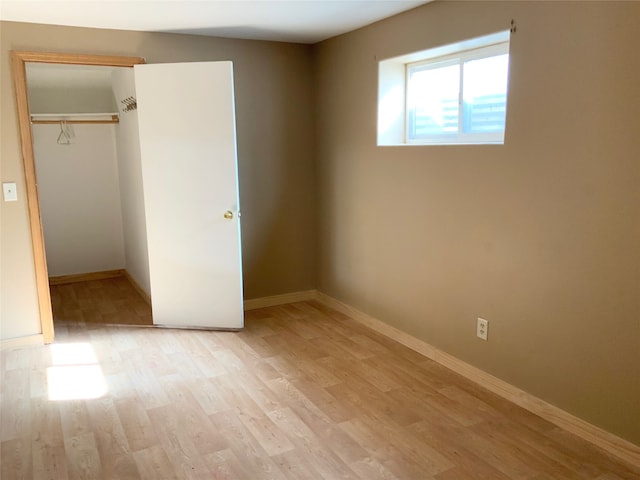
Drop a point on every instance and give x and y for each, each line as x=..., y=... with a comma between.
x=393, y=85
x=454, y=59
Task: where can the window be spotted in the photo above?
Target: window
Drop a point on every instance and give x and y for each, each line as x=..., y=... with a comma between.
x=455, y=94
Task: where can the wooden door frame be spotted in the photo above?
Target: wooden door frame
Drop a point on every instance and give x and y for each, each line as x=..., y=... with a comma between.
x=19, y=60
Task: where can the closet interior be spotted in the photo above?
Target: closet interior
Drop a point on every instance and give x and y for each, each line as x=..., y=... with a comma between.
x=87, y=157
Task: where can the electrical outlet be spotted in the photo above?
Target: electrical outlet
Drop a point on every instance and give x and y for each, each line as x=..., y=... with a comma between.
x=482, y=330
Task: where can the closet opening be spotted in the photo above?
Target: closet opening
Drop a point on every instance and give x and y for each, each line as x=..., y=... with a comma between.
x=70, y=124
x=116, y=192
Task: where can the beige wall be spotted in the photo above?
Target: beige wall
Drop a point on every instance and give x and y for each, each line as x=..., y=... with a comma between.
x=275, y=152
x=540, y=236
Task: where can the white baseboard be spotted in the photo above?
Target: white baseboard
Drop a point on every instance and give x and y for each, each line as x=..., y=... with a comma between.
x=22, y=342
x=613, y=444
x=282, y=299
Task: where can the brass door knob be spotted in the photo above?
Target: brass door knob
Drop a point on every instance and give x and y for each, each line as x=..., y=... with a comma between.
x=228, y=214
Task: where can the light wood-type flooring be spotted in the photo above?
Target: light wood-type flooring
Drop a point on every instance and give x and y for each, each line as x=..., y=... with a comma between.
x=303, y=392
x=109, y=300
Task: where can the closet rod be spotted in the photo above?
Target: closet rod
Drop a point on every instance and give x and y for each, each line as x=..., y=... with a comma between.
x=113, y=119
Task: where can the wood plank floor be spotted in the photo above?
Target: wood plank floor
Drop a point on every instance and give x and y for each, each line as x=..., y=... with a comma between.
x=302, y=393
x=110, y=300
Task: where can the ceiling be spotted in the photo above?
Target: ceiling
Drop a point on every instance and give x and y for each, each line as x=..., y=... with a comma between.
x=300, y=21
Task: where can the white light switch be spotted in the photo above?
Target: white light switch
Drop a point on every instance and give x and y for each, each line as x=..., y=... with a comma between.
x=10, y=192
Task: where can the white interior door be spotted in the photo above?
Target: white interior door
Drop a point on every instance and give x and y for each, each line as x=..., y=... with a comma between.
x=189, y=173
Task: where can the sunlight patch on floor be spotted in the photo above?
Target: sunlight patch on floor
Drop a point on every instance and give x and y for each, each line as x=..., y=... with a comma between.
x=75, y=373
